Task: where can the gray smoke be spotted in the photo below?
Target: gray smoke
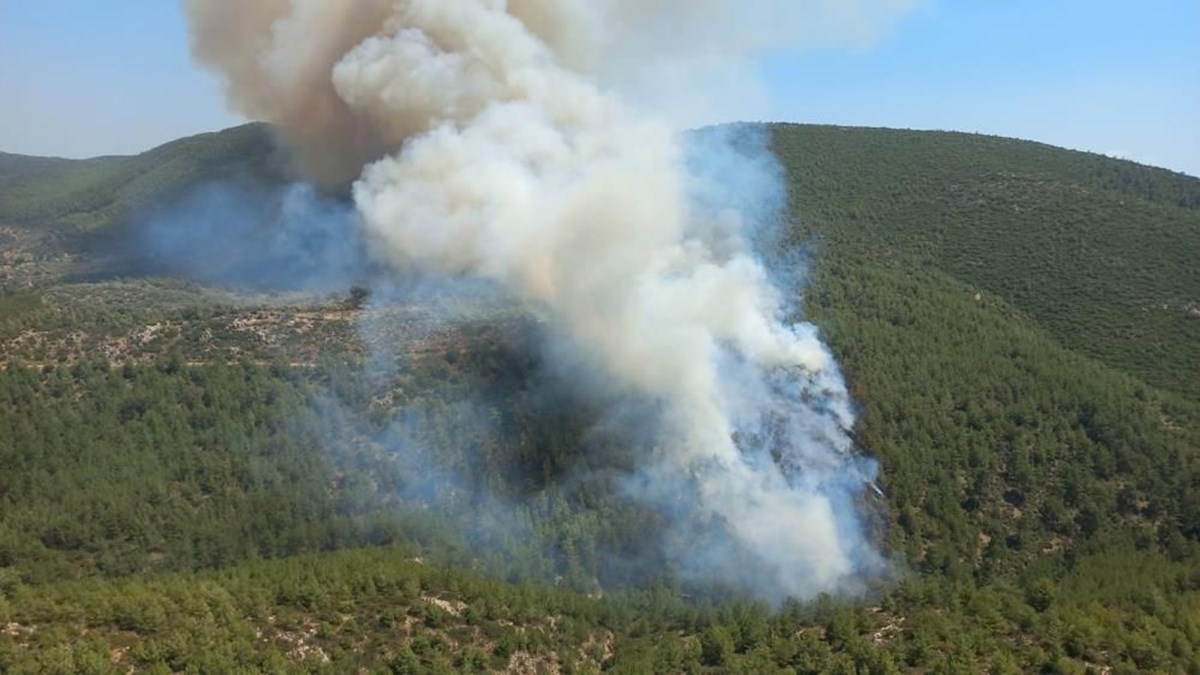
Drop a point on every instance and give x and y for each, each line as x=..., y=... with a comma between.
x=265, y=237
x=535, y=144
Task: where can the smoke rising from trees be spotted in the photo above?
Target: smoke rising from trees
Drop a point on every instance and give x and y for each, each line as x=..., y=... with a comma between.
x=536, y=144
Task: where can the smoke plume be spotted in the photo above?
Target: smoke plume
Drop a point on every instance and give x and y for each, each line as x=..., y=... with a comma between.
x=535, y=143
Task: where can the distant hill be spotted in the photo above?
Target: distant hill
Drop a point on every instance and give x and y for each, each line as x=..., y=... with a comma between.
x=1100, y=251
x=97, y=193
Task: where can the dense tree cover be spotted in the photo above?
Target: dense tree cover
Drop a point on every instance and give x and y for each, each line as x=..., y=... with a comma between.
x=1098, y=251
x=389, y=611
x=1040, y=455
x=992, y=577
x=114, y=469
x=97, y=193
x=996, y=442
x=119, y=470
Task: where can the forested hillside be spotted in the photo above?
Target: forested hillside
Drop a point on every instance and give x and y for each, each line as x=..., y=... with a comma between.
x=220, y=478
x=98, y=193
x=1099, y=252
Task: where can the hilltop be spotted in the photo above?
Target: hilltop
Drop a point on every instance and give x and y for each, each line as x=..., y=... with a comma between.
x=98, y=193
x=1100, y=252
x=1019, y=324
x=1096, y=250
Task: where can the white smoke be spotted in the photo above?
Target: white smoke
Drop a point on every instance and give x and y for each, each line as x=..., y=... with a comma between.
x=534, y=143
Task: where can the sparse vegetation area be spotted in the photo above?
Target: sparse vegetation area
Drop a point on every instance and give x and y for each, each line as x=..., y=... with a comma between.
x=196, y=478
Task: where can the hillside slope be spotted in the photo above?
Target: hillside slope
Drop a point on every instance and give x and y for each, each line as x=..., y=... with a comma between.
x=1101, y=252
x=997, y=305
x=97, y=193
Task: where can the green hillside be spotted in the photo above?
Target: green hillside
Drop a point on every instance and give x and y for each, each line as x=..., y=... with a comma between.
x=98, y=193
x=1098, y=251
x=195, y=477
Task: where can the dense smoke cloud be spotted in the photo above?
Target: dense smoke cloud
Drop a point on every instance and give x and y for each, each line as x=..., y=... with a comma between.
x=690, y=60
x=534, y=143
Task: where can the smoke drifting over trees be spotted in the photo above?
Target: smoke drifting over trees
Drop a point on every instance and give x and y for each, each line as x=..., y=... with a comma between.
x=535, y=144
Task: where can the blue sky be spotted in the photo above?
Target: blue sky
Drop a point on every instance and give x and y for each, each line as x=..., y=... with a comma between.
x=82, y=77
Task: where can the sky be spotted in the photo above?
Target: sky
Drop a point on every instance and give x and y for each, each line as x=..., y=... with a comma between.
x=83, y=78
